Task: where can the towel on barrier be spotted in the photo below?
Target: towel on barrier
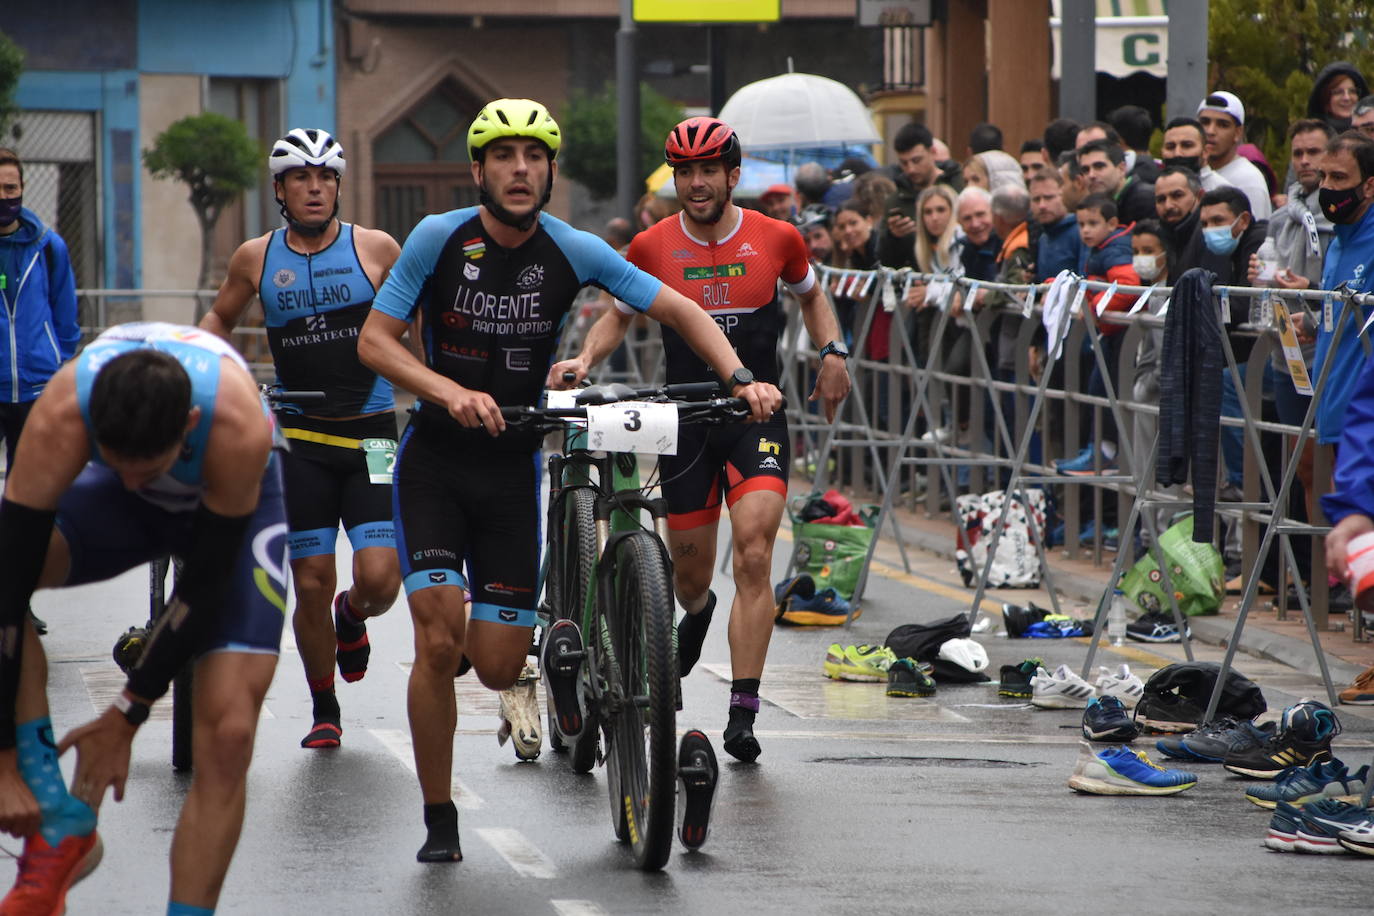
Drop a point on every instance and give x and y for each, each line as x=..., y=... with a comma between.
x=1190, y=395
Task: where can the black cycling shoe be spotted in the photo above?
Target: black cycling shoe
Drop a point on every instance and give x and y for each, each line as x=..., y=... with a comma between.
x=691, y=633
x=697, y=772
x=40, y=625
x=562, y=661
x=740, y=742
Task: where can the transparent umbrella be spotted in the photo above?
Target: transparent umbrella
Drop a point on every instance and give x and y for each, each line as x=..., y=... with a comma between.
x=797, y=110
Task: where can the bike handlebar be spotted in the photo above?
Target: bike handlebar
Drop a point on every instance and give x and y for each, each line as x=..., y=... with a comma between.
x=711, y=411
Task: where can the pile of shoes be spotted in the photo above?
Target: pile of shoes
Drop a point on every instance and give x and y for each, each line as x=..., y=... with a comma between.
x=1035, y=622
x=798, y=602
x=946, y=646
x=905, y=677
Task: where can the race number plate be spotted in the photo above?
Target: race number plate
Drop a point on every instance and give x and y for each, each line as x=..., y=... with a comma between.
x=633, y=426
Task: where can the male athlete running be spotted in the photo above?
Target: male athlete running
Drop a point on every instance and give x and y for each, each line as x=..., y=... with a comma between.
x=730, y=260
x=493, y=285
x=154, y=440
x=316, y=278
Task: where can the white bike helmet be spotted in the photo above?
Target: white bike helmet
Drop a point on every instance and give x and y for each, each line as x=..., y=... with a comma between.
x=306, y=146
x=966, y=653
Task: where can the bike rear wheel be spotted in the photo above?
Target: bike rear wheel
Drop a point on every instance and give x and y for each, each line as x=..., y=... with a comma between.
x=642, y=770
x=572, y=562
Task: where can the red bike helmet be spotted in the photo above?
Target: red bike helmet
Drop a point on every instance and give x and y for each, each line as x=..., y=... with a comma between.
x=699, y=139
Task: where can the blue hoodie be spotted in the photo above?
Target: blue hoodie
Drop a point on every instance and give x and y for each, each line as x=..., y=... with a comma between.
x=38, y=326
x=1349, y=260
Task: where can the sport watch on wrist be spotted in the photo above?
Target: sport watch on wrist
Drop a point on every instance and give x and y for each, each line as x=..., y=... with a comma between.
x=739, y=378
x=835, y=348
x=134, y=712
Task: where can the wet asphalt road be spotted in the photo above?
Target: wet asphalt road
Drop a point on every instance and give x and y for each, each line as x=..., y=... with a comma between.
x=859, y=804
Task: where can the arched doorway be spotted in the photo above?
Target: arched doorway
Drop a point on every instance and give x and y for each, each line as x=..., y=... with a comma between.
x=421, y=161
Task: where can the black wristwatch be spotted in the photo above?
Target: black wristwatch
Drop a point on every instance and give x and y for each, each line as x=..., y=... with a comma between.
x=836, y=348
x=134, y=712
x=739, y=378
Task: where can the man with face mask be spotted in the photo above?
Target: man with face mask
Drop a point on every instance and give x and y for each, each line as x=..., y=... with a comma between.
x=1185, y=145
x=1347, y=187
x=38, y=327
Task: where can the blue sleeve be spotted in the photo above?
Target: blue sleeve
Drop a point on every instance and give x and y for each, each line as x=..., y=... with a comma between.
x=1353, y=479
x=597, y=263
x=62, y=298
x=400, y=294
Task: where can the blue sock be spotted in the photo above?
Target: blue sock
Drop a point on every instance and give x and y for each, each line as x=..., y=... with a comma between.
x=63, y=815
x=185, y=909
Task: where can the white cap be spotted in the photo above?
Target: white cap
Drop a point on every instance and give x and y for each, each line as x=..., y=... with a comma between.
x=1223, y=101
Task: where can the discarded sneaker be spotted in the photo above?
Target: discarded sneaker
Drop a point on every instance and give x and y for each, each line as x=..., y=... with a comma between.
x=1359, y=838
x=1154, y=627
x=1061, y=690
x=1015, y=680
x=824, y=608
x=1168, y=712
x=1105, y=719
x=1361, y=693
x=1323, y=821
x=1016, y=619
x=1300, y=785
x=1218, y=744
x=520, y=715
x=1122, y=771
x=1121, y=684
x=800, y=585
x=909, y=678
x=1304, y=736
x=858, y=663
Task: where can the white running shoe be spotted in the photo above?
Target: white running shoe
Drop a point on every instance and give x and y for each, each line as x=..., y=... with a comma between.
x=520, y=714
x=1061, y=690
x=1121, y=684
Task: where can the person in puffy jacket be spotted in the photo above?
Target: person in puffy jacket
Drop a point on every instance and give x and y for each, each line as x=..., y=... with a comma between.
x=38, y=326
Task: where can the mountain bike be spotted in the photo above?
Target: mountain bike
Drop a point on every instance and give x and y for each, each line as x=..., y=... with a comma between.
x=128, y=648
x=611, y=573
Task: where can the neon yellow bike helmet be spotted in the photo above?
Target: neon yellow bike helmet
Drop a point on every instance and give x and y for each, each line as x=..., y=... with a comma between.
x=513, y=118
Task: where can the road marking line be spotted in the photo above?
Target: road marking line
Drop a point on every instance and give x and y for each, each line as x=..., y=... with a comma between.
x=578, y=908
x=398, y=742
x=105, y=683
x=519, y=853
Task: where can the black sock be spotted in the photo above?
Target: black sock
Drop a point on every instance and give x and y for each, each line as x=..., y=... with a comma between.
x=441, y=845
x=745, y=685
x=326, y=705
x=691, y=633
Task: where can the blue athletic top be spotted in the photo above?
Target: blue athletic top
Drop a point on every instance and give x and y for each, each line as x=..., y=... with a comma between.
x=314, y=306
x=199, y=352
x=492, y=316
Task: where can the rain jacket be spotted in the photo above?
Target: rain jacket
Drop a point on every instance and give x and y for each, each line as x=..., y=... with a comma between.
x=1349, y=260
x=38, y=323
x=1111, y=262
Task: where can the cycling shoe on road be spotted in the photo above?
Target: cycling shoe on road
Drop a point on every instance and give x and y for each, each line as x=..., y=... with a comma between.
x=563, y=654
x=697, y=773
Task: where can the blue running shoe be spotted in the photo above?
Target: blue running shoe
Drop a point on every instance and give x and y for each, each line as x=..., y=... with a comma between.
x=1300, y=785
x=1322, y=823
x=1359, y=838
x=1122, y=771
x=1283, y=827
x=824, y=608
x=1105, y=719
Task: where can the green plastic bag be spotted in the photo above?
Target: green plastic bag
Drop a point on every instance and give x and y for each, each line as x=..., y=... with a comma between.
x=834, y=555
x=1196, y=572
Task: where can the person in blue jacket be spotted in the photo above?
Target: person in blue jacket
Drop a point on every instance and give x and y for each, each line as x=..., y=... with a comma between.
x=38, y=327
x=1346, y=191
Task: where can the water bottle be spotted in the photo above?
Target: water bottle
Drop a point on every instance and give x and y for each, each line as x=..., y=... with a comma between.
x=1116, y=618
x=1268, y=255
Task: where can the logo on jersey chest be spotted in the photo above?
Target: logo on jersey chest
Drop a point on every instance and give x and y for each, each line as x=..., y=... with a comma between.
x=283, y=278
x=746, y=251
x=530, y=277
x=706, y=273
x=471, y=271
x=474, y=248
x=681, y=254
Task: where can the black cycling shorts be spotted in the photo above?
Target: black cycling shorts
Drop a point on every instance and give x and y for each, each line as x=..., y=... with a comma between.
x=723, y=461
x=327, y=482
x=455, y=506
x=109, y=530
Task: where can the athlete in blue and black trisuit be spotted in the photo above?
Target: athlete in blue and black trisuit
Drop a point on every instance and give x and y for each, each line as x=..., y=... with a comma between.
x=316, y=278
x=492, y=286
x=154, y=440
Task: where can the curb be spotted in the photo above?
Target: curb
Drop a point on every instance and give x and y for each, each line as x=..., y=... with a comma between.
x=1215, y=631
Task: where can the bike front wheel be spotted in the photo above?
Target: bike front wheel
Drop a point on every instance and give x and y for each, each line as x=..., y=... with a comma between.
x=642, y=762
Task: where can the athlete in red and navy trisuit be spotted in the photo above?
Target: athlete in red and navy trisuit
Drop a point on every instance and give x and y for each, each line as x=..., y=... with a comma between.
x=729, y=260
